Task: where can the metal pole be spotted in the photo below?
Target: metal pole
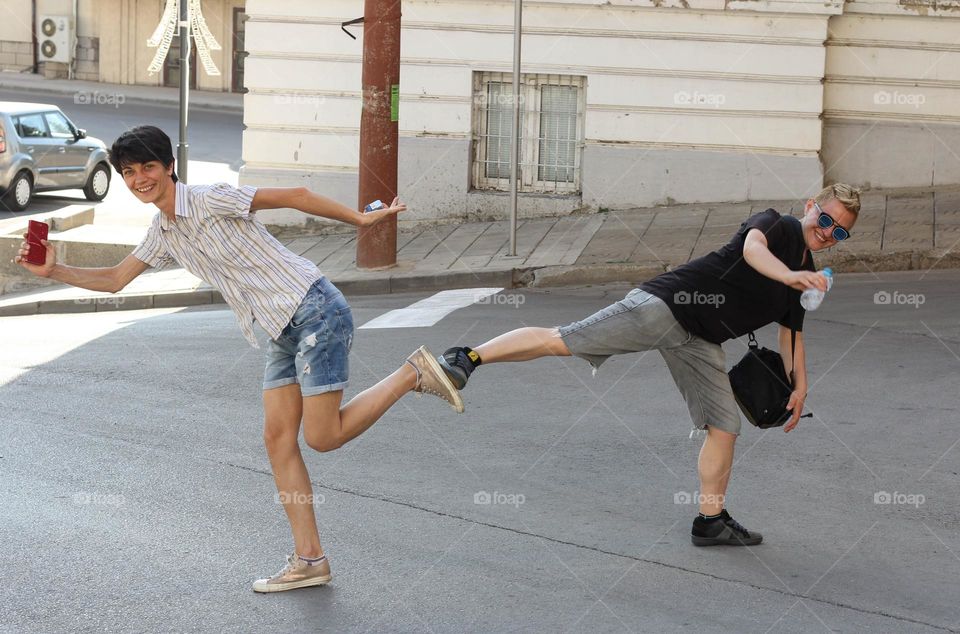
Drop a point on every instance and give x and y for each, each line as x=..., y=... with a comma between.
x=515, y=141
x=379, y=129
x=183, y=146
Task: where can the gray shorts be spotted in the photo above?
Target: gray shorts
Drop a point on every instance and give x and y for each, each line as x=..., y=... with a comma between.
x=641, y=322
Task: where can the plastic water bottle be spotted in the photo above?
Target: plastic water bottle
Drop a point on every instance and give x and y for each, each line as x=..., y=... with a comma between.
x=812, y=297
x=374, y=206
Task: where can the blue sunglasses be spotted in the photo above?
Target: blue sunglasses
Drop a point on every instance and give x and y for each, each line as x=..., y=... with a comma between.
x=825, y=221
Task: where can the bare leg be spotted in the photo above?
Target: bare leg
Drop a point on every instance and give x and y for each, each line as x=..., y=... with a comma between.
x=523, y=344
x=715, y=463
x=327, y=426
x=281, y=431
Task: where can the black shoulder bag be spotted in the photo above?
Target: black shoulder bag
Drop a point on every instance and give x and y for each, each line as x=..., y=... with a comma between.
x=761, y=386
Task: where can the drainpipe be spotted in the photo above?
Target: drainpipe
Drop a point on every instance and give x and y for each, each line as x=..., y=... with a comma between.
x=72, y=66
x=33, y=32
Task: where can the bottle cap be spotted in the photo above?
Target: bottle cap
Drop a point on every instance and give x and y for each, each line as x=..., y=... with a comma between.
x=827, y=271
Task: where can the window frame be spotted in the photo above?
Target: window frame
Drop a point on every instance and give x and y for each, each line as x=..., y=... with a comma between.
x=531, y=93
x=18, y=126
x=54, y=135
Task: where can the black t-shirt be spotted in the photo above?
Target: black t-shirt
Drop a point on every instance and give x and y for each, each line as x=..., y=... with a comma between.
x=719, y=296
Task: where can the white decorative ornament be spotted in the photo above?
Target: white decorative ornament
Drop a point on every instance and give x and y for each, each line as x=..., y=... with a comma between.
x=163, y=35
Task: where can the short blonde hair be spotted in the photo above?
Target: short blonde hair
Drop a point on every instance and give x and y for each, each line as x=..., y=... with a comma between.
x=847, y=195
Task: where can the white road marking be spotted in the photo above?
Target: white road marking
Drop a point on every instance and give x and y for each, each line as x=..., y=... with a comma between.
x=429, y=311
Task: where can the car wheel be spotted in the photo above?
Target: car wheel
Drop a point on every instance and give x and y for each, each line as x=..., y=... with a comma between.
x=18, y=194
x=98, y=184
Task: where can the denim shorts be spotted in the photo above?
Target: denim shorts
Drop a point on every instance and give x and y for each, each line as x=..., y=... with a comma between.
x=641, y=321
x=313, y=348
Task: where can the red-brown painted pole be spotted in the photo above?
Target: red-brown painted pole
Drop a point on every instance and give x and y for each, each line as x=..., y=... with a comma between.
x=377, y=245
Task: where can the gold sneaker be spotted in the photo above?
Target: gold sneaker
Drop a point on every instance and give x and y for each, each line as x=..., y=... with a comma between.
x=296, y=574
x=431, y=378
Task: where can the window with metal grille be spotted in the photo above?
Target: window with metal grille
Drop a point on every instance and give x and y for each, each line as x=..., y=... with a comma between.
x=551, y=125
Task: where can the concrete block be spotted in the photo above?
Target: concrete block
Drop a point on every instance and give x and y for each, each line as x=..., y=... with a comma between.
x=376, y=286
x=124, y=302
x=177, y=300
x=63, y=306
x=597, y=274
x=446, y=280
x=14, y=47
x=15, y=310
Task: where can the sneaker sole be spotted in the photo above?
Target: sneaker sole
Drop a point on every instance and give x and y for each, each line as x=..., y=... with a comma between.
x=713, y=541
x=451, y=373
x=435, y=368
x=293, y=585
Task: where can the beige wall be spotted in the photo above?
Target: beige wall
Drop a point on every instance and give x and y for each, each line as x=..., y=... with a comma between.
x=892, y=95
x=125, y=25
x=15, y=18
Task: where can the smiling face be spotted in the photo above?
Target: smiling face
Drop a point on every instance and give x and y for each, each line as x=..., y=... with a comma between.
x=816, y=238
x=150, y=182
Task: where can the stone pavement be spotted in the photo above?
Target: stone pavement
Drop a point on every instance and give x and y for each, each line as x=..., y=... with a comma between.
x=86, y=92
x=896, y=231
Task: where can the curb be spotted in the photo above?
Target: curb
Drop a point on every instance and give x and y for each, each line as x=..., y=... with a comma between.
x=404, y=283
x=197, y=98
x=543, y=277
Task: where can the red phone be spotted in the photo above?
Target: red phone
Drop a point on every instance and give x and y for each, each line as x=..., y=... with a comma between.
x=37, y=231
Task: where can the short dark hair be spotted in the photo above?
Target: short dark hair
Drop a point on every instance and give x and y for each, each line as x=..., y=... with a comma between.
x=142, y=144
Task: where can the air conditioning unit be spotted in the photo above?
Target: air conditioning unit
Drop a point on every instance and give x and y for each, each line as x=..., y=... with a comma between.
x=55, y=38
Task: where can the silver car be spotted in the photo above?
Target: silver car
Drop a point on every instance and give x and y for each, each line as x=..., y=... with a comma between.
x=41, y=150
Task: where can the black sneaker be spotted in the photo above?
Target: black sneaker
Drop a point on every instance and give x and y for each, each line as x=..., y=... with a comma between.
x=722, y=531
x=458, y=363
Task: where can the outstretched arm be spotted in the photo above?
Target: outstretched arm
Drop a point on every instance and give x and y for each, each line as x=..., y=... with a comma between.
x=302, y=199
x=758, y=256
x=799, y=363
x=107, y=279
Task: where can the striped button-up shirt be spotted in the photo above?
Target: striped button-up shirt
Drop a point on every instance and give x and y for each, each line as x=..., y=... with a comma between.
x=217, y=238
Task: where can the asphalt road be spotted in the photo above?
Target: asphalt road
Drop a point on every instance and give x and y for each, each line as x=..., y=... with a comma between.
x=214, y=137
x=137, y=497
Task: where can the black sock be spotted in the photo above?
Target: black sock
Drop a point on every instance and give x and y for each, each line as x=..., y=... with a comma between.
x=473, y=356
x=710, y=518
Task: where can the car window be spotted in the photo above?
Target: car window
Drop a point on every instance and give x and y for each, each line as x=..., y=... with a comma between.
x=60, y=128
x=31, y=126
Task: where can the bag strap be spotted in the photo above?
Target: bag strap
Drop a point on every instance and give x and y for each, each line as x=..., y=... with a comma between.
x=753, y=345
x=793, y=354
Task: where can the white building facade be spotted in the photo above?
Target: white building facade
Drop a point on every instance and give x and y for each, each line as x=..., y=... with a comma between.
x=626, y=103
x=106, y=41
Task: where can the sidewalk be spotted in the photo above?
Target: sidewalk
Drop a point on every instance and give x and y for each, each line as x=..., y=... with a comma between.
x=87, y=92
x=896, y=231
